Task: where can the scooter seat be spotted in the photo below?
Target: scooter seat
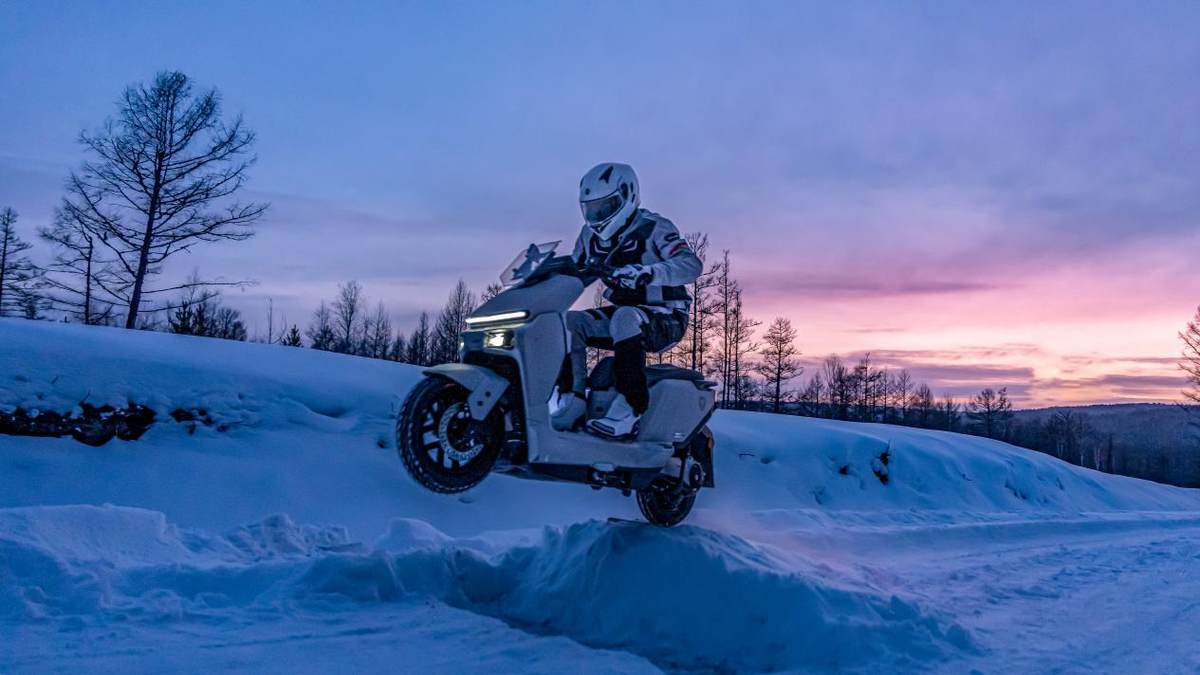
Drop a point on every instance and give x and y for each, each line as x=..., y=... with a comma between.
x=663, y=371
x=602, y=375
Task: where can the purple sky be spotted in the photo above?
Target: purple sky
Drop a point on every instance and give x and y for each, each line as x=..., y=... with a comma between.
x=987, y=193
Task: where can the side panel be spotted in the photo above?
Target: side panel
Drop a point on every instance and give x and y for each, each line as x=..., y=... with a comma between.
x=676, y=407
x=485, y=386
x=543, y=345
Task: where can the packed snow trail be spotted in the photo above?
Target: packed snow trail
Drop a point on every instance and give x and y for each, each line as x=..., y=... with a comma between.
x=826, y=546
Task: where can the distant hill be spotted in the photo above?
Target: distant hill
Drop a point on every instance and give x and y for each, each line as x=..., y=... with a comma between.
x=1159, y=441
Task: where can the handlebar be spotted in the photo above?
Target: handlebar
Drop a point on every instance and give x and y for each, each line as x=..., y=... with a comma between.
x=565, y=265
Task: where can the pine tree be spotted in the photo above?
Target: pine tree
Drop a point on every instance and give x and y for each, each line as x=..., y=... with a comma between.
x=199, y=312
x=292, y=338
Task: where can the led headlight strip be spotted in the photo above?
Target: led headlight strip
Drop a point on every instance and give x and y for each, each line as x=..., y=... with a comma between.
x=496, y=318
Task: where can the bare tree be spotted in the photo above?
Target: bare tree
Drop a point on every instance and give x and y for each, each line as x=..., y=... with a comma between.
x=810, y=396
x=271, y=337
x=419, y=342
x=320, y=332
x=737, y=346
x=990, y=413
x=838, y=383
x=377, y=334
x=1065, y=431
x=864, y=378
x=77, y=277
x=1190, y=361
x=18, y=275
x=948, y=413
x=692, y=349
x=228, y=325
x=347, y=317
x=490, y=291
x=902, y=387
x=922, y=406
x=726, y=292
x=778, y=361
x=450, y=324
x=399, y=349
x=162, y=171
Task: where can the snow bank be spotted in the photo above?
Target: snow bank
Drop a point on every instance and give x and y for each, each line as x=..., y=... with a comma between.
x=310, y=434
x=788, y=462
x=48, y=366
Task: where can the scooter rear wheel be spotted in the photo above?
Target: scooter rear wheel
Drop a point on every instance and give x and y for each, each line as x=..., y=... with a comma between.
x=442, y=446
x=665, y=503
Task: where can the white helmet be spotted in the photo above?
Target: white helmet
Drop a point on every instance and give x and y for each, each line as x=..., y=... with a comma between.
x=608, y=197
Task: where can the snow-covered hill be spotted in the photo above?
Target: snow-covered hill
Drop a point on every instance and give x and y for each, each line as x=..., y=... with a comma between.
x=282, y=535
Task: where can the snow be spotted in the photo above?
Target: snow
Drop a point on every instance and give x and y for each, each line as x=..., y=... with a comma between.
x=285, y=537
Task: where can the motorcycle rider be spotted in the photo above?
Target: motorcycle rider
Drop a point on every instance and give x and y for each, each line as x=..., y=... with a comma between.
x=652, y=266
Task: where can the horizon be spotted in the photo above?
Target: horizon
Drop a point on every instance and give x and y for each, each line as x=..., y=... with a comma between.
x=986, y=196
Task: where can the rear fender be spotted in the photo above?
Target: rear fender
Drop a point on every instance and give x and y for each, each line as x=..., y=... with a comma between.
x=483, y=385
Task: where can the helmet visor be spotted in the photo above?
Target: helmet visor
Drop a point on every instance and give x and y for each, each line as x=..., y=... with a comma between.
x=597, y=211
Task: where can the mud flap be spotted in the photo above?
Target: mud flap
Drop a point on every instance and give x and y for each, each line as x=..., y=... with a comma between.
x=484, y=385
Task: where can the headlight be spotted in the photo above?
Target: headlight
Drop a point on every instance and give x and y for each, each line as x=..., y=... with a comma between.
x=498, y=339
x=496, y=318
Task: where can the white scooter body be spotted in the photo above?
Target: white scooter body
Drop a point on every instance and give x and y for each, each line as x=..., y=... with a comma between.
x=511, y=356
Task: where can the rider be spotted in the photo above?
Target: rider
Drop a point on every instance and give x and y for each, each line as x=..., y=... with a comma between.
x=651, y=267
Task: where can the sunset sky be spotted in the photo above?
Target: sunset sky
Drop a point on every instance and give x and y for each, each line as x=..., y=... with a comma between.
x=988, y=194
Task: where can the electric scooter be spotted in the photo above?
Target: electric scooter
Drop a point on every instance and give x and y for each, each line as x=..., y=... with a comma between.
x=490, y=412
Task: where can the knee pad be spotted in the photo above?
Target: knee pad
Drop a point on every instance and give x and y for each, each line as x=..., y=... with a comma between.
x=626, y=323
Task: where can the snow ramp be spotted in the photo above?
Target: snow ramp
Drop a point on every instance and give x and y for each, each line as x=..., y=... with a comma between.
x=682, y=599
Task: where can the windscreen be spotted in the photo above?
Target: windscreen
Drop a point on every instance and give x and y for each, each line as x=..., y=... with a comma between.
x=527, y=262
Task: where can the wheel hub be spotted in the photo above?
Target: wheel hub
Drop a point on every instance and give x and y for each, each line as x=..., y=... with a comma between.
x=459, y=436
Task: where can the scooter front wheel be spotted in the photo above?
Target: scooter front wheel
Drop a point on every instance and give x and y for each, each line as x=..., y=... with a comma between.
x=442, y=446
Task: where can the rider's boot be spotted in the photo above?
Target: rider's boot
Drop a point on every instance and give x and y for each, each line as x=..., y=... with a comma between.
x=570, y=408
x=629, y=371
x=620, y=421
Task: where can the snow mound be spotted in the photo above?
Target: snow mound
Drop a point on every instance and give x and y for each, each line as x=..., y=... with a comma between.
x=692, y=598
x=685, y=598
